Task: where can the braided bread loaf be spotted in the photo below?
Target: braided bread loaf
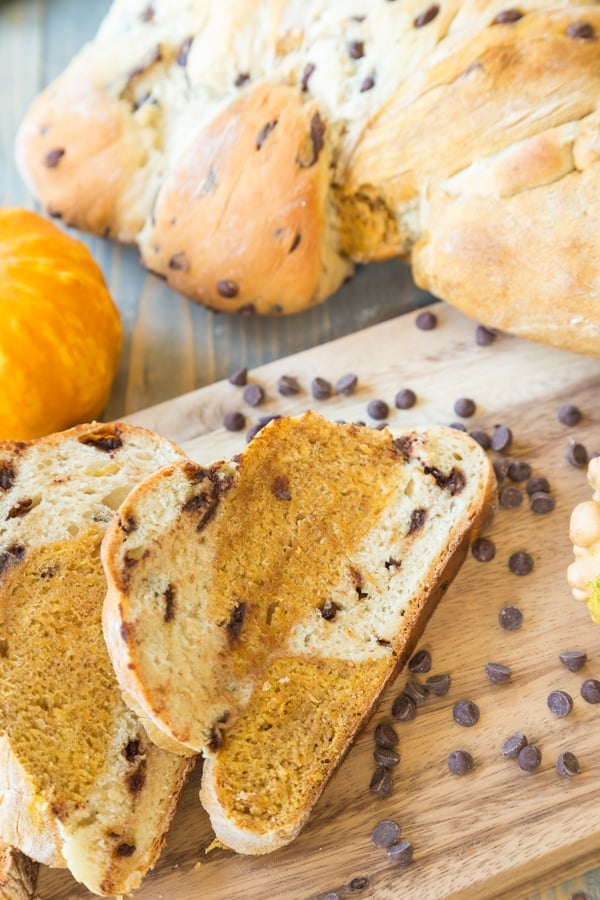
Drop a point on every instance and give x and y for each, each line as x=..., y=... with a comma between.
x=256, y=151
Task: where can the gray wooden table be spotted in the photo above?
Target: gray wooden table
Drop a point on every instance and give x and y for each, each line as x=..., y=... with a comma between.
x=171, y=345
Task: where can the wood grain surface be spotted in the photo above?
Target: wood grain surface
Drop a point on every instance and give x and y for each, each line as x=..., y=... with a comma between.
x=497, y=832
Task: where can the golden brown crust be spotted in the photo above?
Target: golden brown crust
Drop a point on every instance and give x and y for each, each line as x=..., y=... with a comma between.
x=74, y=135
x=269, y=149
x=436, y=124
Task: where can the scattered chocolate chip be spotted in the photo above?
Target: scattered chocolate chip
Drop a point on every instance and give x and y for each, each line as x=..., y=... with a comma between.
x=356, y=49
x=513, y=745
x=392, y=563
x=484, y=336
x=401, y=853
x=510, y=618
x=567, y=764
x=520, y=563
x=367, y=84
x=438, y=685
x=482, y=438
x=253, y=431
x=321, y=388
x=385, y=833
x=426, y=17
x=386, y=757
x=541, y=503
x=288, y=385
x=309, y=68
x=458, y=426
x=560, y=703
x=510, y=497
x=404, y=708
x=254, y=394
x=381, y=782
x=569, y=414
x=483, y=549
x=497, y=672
x=501, y=438
x=420, y=662
x=329, y=610
x=460, y=762
x=573, y=660
x=359, y=883
x=581, y=31
x=590, y=690
x=234, y=421
x=537, y=484
x=346, y=385
x=241, y=79
x=507, y=17
x=378, y=409
x=53, y=157
x=466, y=713
x=248, y=309
x=518, y=470
x=501, y=468
x=426, y=320
x=239, y=377
x=227, y=289
x=416, y=692
x=529, y=758
x=385, y=735
x=577, y=456
x=264, y=420
x=405, y=399
x=465, y=407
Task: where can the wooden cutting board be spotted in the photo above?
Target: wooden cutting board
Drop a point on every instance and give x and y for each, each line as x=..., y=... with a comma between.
x=496, y=832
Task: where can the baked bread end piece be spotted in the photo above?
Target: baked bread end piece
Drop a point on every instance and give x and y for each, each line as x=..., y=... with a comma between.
x=81, y=785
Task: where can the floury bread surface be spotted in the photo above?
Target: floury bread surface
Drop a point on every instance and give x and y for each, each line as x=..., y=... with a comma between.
x=80, y=783
x=256, y=151
x=257, y=608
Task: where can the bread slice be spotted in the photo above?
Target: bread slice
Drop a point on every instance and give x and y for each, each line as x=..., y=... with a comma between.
x=256, y=608
x=81, y=785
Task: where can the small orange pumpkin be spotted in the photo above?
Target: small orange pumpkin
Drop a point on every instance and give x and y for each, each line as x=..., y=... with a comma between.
x=60, y=334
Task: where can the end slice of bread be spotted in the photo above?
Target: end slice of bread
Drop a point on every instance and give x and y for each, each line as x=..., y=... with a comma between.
x=81, y=785
x=257, y=608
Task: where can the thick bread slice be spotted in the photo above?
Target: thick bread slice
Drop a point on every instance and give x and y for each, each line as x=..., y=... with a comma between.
x=256, y=608
x=81, y=785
